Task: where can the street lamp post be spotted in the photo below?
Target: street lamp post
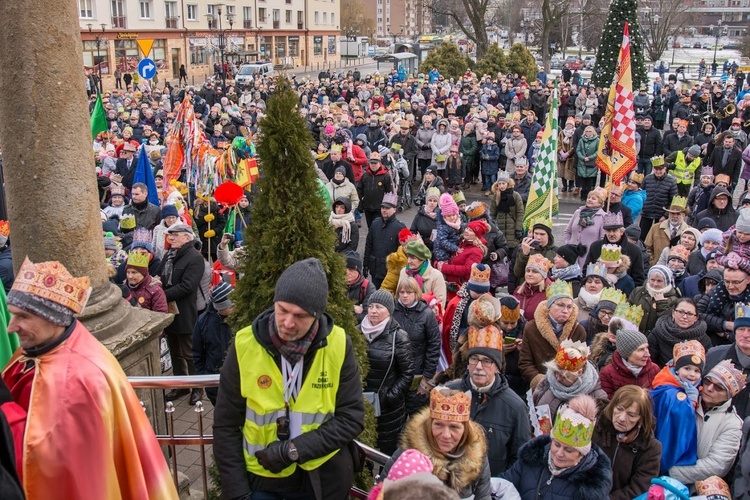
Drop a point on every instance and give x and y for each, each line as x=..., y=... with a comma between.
x=222, y=40
x=98, y=39
x=716, y=42
x=524, y=27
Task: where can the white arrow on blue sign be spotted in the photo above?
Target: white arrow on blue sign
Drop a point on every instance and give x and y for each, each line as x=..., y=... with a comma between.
x=147, y=68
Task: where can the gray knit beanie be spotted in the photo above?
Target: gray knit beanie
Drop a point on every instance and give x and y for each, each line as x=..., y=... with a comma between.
x=304, y=284
x=628, y=341
x=743, y=221
x=383, y=298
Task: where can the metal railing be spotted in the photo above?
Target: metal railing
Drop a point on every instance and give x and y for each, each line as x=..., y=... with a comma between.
x=172, y=440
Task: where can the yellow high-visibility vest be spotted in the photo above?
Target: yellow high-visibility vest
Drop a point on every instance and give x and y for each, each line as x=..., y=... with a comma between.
x=262, y=384
x=683, y=172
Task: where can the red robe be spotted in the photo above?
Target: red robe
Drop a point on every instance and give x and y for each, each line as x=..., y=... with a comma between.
x=86, y=435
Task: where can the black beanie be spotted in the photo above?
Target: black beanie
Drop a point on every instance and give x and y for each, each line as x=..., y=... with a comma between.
x=304, y=284
x=353, y=260
x=571, y=252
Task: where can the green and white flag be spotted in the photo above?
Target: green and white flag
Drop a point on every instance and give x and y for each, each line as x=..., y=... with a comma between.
x=542, y=204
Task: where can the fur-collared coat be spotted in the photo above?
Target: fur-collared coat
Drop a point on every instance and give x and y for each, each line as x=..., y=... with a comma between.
x=468, y=475
x=591, y=478
x=540, y=342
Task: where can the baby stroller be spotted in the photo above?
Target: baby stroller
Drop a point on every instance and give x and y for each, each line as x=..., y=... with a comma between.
x=399, y=169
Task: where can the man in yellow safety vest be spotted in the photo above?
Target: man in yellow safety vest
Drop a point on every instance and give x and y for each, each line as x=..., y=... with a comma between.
x=290, y=399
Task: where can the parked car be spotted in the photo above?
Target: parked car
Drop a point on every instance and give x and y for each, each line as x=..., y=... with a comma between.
x=555, y=63
x=697, y=45
x=574, y=62
x=589, y=62
x=247, y=72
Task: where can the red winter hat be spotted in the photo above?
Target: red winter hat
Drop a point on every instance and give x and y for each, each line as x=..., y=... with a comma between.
x=479, y=227
x=405, y=235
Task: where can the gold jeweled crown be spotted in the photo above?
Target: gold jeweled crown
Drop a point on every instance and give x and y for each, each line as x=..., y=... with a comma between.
x=51, y=281
x=610, y=253
x=558, y=288
x=138, y=259
x=455, y=408
x=625, y=311
x=635, y=176
x=612, y=294
x=572, y=428
x=657, y=161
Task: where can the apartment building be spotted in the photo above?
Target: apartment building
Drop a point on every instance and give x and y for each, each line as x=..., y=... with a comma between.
x=400, y=18
x=195, y=33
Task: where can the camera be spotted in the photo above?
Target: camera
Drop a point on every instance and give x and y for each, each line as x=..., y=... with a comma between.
x=535, y=244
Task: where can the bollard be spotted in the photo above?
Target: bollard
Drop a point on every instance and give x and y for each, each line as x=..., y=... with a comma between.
x=170, y=428
x=199, y=410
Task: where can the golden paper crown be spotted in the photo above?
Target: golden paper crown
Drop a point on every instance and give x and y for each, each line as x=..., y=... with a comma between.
x=541, y=262
x=489, y=336
x=455, y=408
x=679, y=203
x=4, y=228
x=559, y=288
x=544, y=221
x=635, y=176
x=691, y=348
x=625, y=311
x=610, y=253
x=51, y=281
x=612, y=294
x=571, y=356
x=127, y=222
x=714, y=488
x=138, y=259
x=679, y=252
x=657, y=161
x=572, y=429
x=480, y=276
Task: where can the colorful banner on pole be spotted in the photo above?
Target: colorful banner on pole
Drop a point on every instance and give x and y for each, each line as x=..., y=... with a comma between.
x=617, y=156
x=542, y=202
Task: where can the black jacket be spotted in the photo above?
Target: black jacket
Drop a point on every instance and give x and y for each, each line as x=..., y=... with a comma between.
x=353, y=229
x=371, y=188
x=359, y=293
x=673, y=142
x=659, y=194
x=725, y=218
x=391, y=384
x=424, y=225
x=182, y=287
x=336, y=433
x=732, y=168
x=420, y=324
x=217, y=225
x=504, y=417
x=382, y=240
x=651, y=143
x=6, y=269
x=146, y=214
x=211, y=338
x=408, y=145
x=636, y=271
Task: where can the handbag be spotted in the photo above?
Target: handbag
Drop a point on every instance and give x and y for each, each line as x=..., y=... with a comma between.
x=440, y=158
x=499, y=271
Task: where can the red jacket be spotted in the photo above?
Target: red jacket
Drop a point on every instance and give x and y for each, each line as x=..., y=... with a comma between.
x=358, y=161
x=150, y=295
x=458, y=268
x=530, y=297
x=616, y=374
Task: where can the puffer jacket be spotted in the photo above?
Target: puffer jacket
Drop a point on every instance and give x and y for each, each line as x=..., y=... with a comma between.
x=495, y=239
x=468, y=148
x=395, y=262
x=344, y=190
x=149, y=295
x=458, y=268
x=440, y=145
x=391, y=384
x=420, y=324
x=616, y=375
x=508, y=222
x=633, y=464
x=515, y=147
x=634, y=200
x=502, y=414
x=424, y=138
x=372, y=186
x=591, y=478
x=720, y=308
x=659, y=194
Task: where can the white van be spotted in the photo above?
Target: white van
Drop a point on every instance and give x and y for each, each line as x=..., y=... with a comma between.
x=246, y=72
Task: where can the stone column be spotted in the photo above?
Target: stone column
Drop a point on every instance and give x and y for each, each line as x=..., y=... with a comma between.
x=49, y=173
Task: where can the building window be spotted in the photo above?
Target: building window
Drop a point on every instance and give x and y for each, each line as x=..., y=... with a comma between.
x=333, y=18
x=247, y=17
x=300, y=19
x=86, y=9
x=317, y=45
x=331, y=44
x=262, y=15
x=118, y=14
x=98, y=61
x=145, y=9
x=317, y=19
x=198, y=54
x=288, y=17
x=126, y=55
x=293, y=46
x=280, y=46
x=159, y=53
x=325, y=17
x=192, y=12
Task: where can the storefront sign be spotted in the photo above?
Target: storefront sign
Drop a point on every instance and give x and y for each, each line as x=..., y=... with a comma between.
x=127, y=36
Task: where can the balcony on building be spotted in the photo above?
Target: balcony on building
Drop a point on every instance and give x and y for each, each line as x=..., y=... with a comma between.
x=171, y=22
x=119, y=22
x=276, y=25
x=247, y=24
x=300, y=26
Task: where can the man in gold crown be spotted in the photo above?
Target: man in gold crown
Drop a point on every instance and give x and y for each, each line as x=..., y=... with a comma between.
x=79, y=428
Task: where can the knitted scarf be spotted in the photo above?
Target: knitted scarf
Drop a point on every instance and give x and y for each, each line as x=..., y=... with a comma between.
x=418, y=274
x=370, y=331
x=586, y=217
x=567, y=273
x=343, y=222
x=463, y=292
x=584, y=385
x=668, y=330
x=292, y=350
x=505, y=200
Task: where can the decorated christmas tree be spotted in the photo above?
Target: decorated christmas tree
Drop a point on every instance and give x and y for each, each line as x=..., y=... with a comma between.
x=290, y=223
x=609, y=47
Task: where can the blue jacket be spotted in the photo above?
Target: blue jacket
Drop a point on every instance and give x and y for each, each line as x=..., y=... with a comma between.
x=591, y=478
x=675, y=425
x=634, y=201
x=490, y=155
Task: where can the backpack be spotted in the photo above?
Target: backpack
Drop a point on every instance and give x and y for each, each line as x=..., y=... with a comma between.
x=363, y=290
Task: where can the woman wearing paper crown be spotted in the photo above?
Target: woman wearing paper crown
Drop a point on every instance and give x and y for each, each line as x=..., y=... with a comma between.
x=564, y=465
x=569, y=374
x=454, y=444
x=80, y=430
x=554, y=321
x=599, y=318
x=587, y=224
x=656, y=296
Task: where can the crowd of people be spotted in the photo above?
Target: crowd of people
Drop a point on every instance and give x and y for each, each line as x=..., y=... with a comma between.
x=502, y=363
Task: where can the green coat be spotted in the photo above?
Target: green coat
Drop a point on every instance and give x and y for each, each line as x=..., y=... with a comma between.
x=587, y=147
x=468, y=147
x=652, y=310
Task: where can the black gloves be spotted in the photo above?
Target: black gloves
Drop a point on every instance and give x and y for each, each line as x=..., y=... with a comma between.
x=519, y=235
x=275, y=458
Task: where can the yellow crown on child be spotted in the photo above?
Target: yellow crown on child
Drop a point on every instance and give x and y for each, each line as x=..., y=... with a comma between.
x=127, y=222
x=51, y=281
x=455, y=408
x=138, y=259
x=612, y=294
x=636, y=177
x=611, y=253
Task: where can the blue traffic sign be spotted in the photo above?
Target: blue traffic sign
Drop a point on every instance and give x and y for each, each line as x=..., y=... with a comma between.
x=147, y=68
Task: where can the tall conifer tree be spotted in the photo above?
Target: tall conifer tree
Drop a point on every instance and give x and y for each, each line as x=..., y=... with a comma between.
x=609, y=47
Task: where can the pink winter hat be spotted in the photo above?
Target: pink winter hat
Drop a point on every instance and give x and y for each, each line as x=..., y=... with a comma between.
x=448, y=205
x=410, y=463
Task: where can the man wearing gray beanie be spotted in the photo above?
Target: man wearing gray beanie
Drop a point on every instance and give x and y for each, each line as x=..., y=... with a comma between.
x=295, y=371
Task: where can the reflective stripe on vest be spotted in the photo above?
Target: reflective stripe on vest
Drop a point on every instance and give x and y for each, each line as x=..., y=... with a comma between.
x=262, y=386
x=683, y=172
